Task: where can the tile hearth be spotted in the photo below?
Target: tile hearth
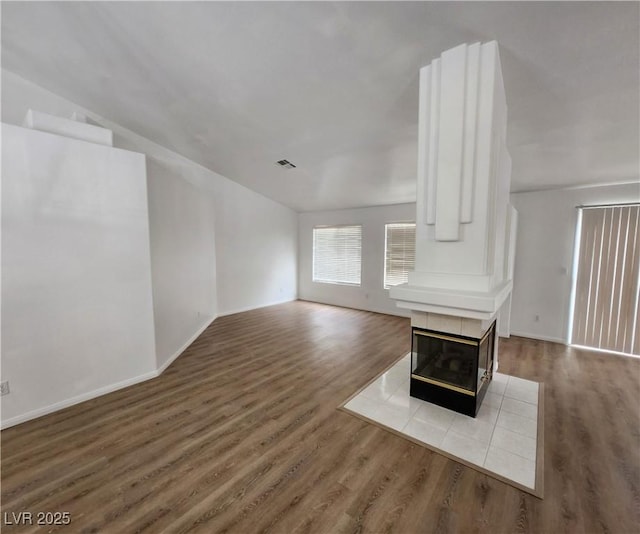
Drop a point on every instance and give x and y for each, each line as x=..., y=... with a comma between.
x=501, y=440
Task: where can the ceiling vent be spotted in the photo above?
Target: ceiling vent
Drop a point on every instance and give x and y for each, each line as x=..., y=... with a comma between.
x=286, y=164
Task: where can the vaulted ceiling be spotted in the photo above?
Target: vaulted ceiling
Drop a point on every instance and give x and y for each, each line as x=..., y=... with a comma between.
x=333, y=87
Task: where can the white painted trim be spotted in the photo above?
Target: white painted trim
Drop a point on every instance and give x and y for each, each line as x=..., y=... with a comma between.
x=395, y=312
x=80, y=131
x=77, y=399
x=249, y=308
x=184, y=347
x=471, y=304
x=539, y=337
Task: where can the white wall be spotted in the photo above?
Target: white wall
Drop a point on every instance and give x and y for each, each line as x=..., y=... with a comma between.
x=180, y=222
x=76, y=275
x=216, y=246
x=256, y=243
x=371, y=294
x=241, y=247
x=241, y=259
x=544, y=255
x=183, y=265
x=543, y=265
x=247, y=244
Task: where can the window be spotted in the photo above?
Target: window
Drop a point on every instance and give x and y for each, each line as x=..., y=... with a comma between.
x=605, y=303
x=337, y=254
x=400, y=253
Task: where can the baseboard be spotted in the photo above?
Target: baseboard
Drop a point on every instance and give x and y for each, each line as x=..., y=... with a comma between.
x=249, y=308
x=399, y=312
x=46, y=410
x=540, y=337
x=184, y=347
x=34, y=414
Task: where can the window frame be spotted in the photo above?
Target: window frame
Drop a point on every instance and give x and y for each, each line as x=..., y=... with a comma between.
x=385, y=285
x=314, y=256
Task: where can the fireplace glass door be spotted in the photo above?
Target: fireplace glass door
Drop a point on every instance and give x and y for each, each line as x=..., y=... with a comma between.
x=451, y=370
x=485, y=356
x=448, y=361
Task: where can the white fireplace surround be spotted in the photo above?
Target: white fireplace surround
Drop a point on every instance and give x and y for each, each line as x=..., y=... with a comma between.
x=468, y=304
x=465, y=227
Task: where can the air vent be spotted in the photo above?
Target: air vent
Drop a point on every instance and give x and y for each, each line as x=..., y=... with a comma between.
x=286, y=164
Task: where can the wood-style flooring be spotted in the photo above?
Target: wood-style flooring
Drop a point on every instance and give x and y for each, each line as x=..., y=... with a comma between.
x=241, y=435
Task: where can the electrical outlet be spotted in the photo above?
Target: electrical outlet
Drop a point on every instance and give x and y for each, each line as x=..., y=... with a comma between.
x=4, y=388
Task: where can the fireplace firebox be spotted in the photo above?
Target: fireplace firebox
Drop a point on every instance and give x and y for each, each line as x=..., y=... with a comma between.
x=450, y=370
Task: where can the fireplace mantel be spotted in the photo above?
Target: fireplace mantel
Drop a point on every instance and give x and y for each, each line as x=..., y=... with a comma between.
x=468, y=304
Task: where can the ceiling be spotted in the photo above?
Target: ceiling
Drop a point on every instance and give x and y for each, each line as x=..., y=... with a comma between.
x=333, y=87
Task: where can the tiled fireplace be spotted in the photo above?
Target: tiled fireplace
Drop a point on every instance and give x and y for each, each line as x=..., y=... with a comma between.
x=460, y=291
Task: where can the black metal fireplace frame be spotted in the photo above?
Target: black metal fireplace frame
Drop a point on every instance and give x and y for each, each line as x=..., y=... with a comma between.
x=454, y=398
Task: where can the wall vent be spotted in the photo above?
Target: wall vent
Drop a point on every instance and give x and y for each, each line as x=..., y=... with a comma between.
x=286, y=164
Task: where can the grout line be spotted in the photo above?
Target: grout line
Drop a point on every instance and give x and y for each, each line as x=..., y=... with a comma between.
x=519, y=456
x=494, y=429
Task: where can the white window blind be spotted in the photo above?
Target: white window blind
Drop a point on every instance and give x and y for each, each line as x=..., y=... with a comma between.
x=400, y=253
x=337, y=254
x=605, y=314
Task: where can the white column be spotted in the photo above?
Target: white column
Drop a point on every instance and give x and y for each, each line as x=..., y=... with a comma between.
x=464, y=174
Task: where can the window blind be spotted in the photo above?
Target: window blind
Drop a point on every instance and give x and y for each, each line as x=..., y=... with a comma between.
x=400, y=253
x=605, y=312
x=337, y=254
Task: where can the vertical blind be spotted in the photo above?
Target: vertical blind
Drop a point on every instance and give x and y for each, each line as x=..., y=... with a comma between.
x=337, y=254
x=606, y=289
x=400, y=253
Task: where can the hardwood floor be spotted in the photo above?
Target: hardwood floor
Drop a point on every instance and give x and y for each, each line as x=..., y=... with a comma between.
x=242, y=435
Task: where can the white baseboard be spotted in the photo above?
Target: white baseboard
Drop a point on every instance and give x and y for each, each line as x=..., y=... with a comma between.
x=396, y=312
x=195, y=336
x=103, y=390
x=249, y=308
x=540, y=337
x=77, y=399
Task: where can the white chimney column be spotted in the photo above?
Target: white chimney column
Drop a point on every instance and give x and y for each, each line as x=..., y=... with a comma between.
x=465, y=228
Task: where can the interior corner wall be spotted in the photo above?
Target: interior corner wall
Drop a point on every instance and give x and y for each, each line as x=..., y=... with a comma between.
x=230, y=249
x=544, y=255
x=180, y=223
x=256, y=249
x=370, y=295
x=183, y=269
x=216, y=246
x=241, y=247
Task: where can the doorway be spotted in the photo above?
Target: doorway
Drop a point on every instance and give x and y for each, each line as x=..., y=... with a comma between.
x=606, y=279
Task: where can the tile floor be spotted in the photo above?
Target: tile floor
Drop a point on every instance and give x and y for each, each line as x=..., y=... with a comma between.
x=501, y=439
